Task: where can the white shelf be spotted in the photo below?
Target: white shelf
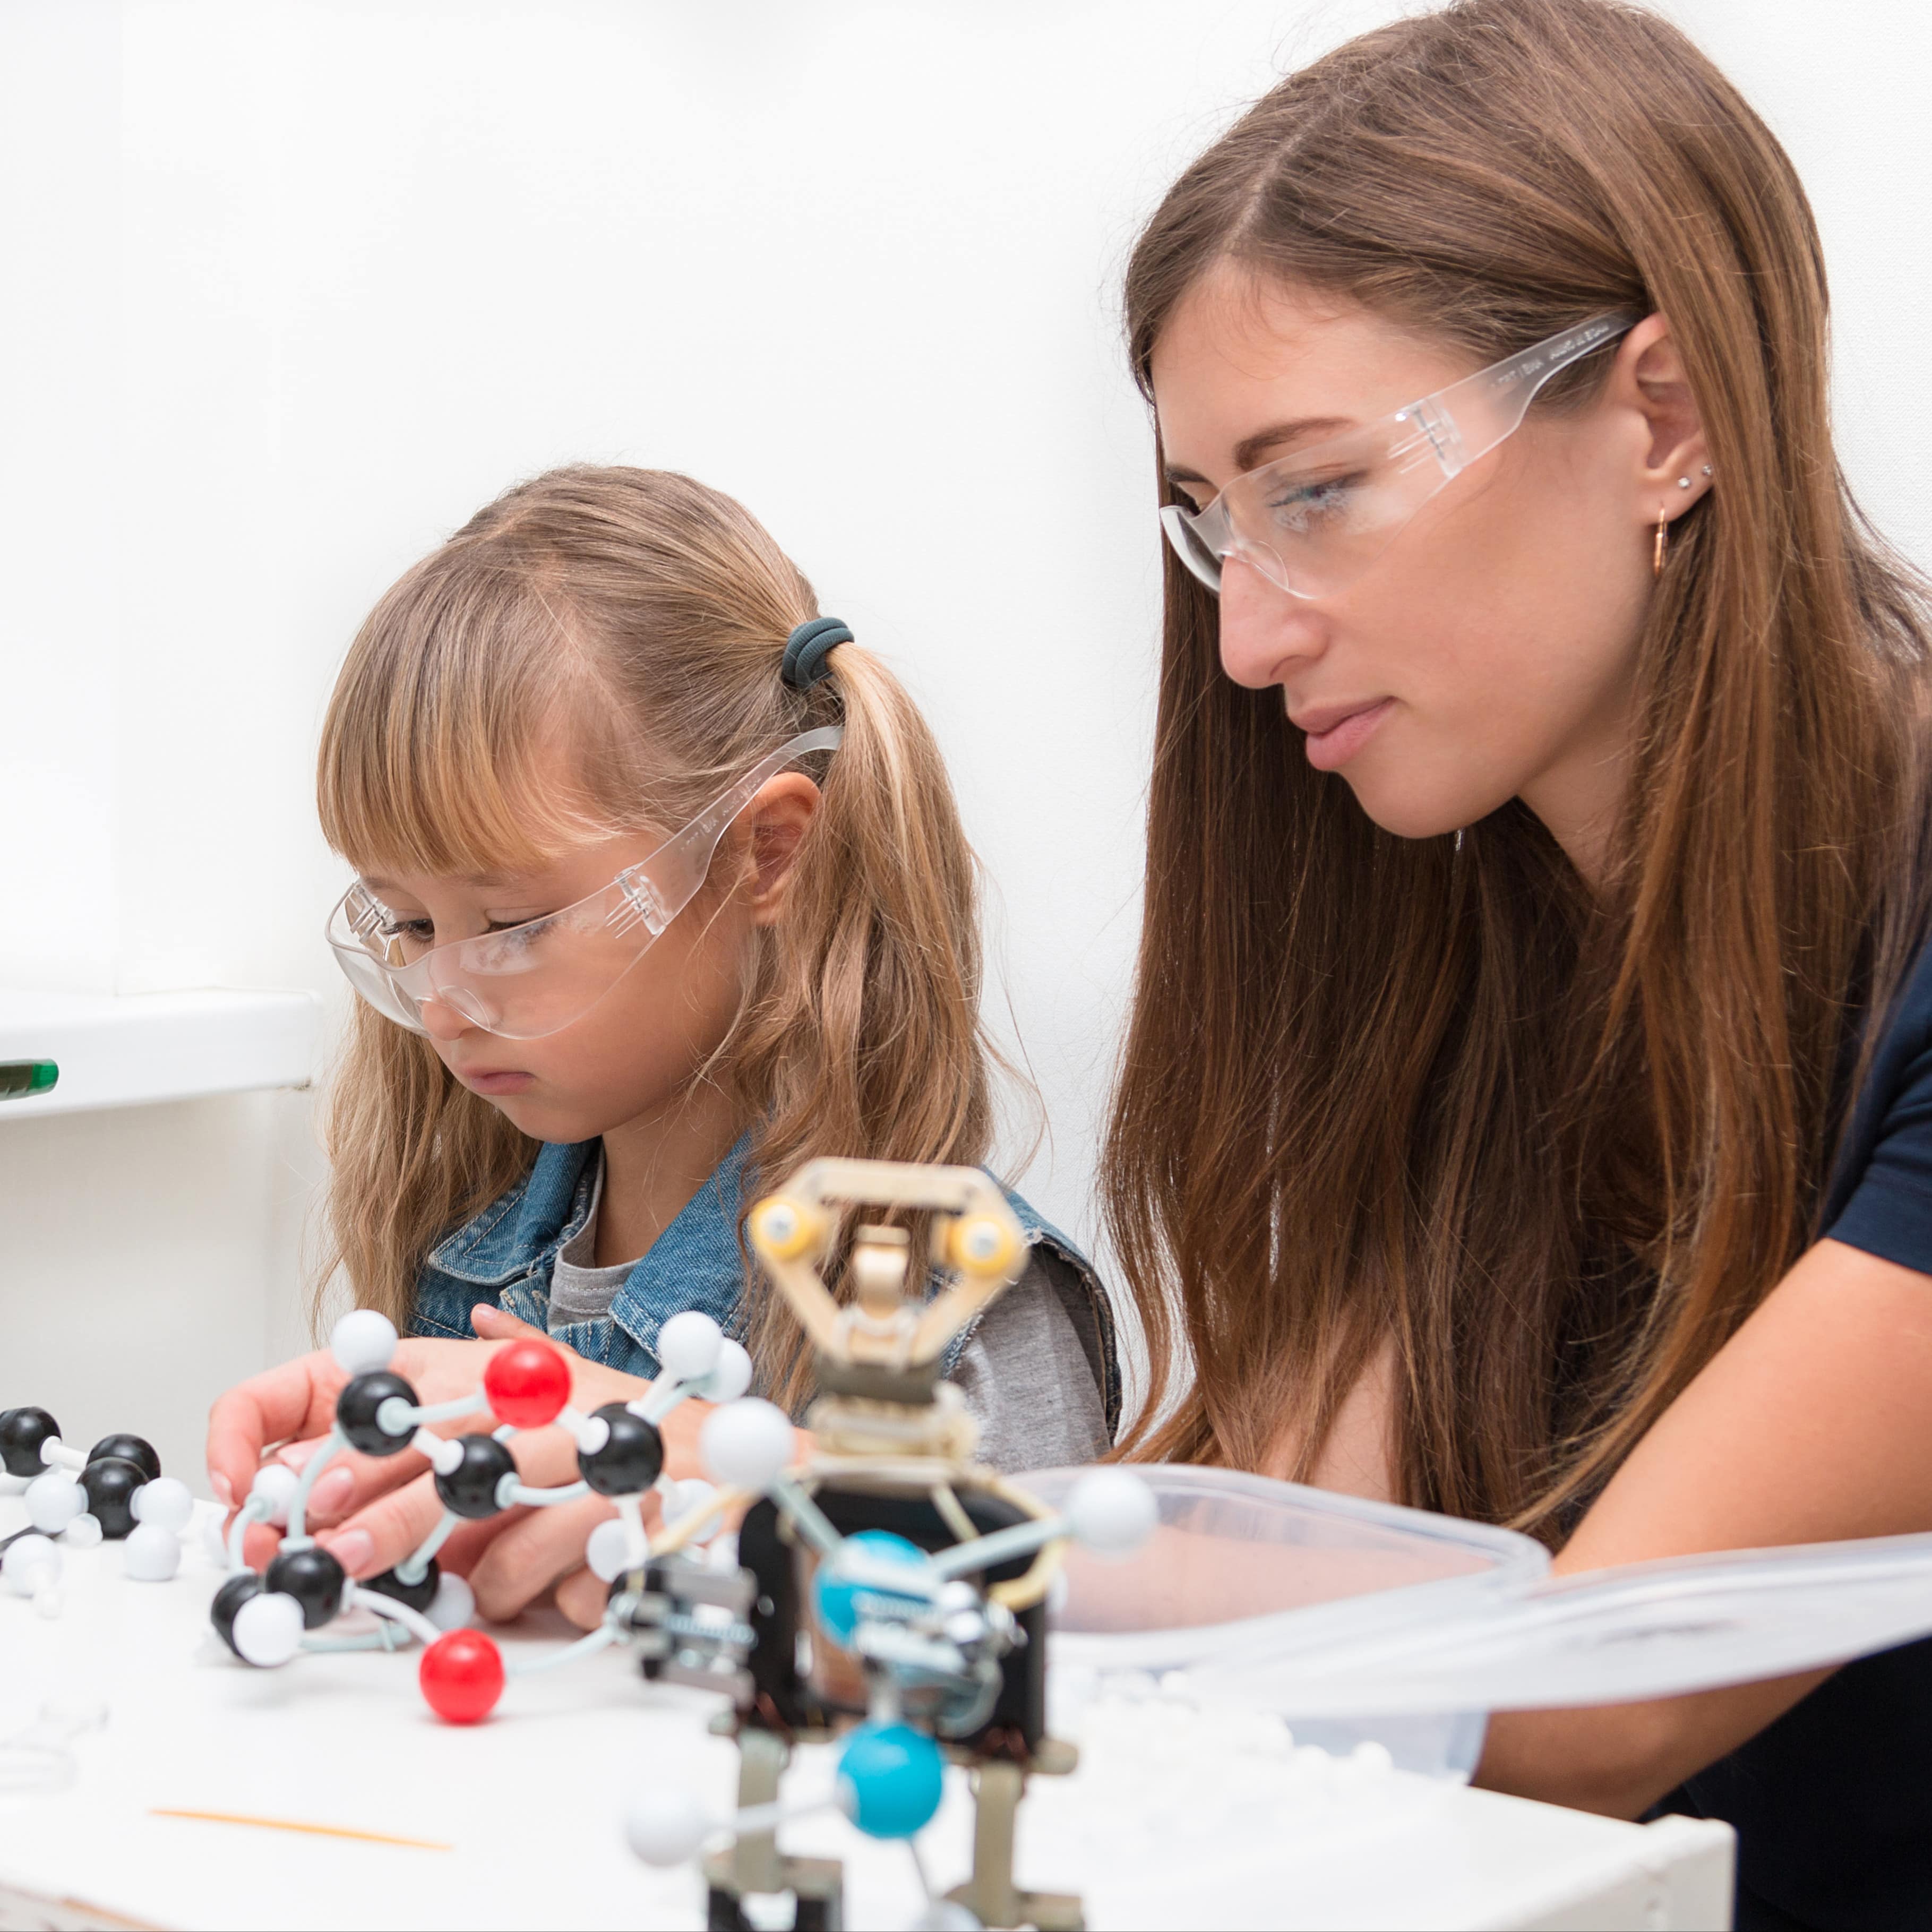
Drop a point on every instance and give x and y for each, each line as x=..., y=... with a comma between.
x=149, y=1047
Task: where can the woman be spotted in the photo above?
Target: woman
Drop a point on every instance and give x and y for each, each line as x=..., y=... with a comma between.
x=1522, y=1115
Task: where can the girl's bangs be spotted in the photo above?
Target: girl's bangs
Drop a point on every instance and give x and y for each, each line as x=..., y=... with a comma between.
x=463, y=703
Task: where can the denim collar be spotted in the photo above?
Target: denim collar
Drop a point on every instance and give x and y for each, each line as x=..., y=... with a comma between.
x=505, y=1254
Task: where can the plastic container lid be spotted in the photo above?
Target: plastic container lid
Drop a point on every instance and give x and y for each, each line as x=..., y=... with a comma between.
x=1238, y=1562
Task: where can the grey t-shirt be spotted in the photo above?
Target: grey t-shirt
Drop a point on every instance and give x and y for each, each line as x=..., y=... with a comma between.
x=1029, y=1371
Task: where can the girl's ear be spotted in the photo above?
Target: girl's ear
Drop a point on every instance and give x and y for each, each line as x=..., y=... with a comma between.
x=778, y=818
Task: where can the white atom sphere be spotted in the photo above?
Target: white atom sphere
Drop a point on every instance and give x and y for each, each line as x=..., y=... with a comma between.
x=665, y=1828
x=946, y=1915
x=84, y=1532
x=732, y=1376
x=32, y=1564
x=268, y=1628
x=688, y=1345
x=608, y=1552
x=682, y=1498
x=53, y=1501
x=1111, y=1512
x=167, y=1502
x=746, y=1443
x=152, y=1551
x=362, y=1341
x=275, y=1484
x=454, y=1604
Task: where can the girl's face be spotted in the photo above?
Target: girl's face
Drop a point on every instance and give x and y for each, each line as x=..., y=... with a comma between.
x=1490, y=652
x=633, y=1055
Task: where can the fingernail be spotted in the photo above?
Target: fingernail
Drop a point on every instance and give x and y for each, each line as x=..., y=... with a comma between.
x=224, y=1490
x=353, y=1549
x=297, y=1455
x=331, y=1491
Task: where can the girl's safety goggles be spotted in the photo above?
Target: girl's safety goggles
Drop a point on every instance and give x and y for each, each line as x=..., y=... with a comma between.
x=1313, y=522
x=525, y=981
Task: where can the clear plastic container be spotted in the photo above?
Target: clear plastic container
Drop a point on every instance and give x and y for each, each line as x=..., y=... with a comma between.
x=1241, y=1565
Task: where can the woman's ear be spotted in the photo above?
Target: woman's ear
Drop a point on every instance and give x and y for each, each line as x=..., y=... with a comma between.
x=779, y=819
x=1649, y=378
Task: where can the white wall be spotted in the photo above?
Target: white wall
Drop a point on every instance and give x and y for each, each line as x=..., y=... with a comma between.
x=295, y=287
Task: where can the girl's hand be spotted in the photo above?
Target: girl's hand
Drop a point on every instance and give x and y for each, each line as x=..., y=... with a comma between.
x=294, y=1404
x=514, y=1557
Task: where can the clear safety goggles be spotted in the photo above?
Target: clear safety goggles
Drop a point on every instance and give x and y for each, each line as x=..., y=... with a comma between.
x=1313, y=522
x=523, y=981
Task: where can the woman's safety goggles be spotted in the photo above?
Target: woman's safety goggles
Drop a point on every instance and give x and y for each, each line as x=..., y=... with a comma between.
x=1313, y=522
x=523, y=981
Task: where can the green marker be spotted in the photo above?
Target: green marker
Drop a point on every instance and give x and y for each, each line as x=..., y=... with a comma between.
x=20, y=1078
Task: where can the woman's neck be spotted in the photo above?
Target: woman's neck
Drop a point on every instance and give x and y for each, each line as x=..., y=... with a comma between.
x=654, y=1164
x=1580, y=797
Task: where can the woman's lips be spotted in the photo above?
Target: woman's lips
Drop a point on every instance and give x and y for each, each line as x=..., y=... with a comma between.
x=509, y=1082
x=1341, y=734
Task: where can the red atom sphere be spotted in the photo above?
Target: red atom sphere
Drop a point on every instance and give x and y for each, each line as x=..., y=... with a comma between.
x=528, y=1384
x=462, y=1676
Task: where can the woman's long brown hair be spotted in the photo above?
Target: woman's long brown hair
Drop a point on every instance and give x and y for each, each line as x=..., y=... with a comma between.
x=641, y=618
x=1557, y=1148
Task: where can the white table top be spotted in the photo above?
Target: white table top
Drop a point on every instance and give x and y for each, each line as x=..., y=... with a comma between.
x=530, y=1805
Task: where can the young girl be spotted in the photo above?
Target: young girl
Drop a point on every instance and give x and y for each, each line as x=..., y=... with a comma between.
x=662, y=890
x=1526, y=1109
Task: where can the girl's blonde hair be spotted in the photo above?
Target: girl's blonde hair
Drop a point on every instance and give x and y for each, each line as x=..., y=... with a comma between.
x=1558, y=1148
x=641, y=619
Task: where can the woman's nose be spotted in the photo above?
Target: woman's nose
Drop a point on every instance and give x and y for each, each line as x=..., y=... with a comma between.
x=1265, y=633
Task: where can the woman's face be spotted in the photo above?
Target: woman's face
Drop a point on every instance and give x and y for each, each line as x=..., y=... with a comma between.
x=1490, y=652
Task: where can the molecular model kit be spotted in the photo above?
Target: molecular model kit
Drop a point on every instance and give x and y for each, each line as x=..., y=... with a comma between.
x=116, y=1492
x=890, y=1595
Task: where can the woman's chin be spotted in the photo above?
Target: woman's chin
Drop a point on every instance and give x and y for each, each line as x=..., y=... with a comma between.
x=1417, y=818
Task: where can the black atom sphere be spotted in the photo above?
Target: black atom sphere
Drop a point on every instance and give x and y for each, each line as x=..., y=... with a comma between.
x=22, y=1432
x=470, y=1488
x=110, y=1484
x=630, y=1462
x=355, y=1409
x=134, y=1449
x=313, y=1578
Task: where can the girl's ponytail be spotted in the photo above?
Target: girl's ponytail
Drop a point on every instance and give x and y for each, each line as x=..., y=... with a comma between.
x=866, y=1034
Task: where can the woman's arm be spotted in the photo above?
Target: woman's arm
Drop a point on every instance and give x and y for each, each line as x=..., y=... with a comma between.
x=1810, y=1425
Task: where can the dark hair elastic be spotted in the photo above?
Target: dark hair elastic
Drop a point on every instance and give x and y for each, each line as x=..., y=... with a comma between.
x=808, y=652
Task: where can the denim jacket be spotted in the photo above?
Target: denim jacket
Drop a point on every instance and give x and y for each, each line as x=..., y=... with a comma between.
x=505, y=1254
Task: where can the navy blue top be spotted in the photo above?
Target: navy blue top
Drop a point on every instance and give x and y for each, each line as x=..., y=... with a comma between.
x=1833, y=1802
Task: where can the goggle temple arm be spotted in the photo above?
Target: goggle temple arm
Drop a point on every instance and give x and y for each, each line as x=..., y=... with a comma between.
x=656, y=889
x=1484, y=408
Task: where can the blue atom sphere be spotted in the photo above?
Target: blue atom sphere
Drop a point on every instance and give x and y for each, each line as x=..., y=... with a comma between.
x=891, y=1778
x=836, y=1595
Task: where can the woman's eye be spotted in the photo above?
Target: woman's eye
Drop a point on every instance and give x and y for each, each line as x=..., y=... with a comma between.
x=418, y=931
x=1300, y=506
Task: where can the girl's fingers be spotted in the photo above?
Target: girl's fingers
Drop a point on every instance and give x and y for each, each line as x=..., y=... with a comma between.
x=531, y=1555
x=581, y=1597
x=379, y=1536
x=499, y=1324
x=297, y=1398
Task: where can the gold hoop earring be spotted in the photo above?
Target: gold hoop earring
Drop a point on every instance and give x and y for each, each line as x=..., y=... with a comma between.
x=1656, y=555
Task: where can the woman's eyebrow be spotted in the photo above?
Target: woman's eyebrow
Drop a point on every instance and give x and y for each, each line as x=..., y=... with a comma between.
x=1251, y=451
